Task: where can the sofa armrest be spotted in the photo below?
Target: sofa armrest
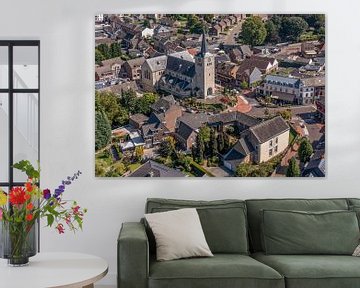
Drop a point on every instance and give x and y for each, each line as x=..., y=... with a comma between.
x=133, y=256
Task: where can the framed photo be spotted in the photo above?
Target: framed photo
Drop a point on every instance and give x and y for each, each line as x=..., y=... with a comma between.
x=210, y=95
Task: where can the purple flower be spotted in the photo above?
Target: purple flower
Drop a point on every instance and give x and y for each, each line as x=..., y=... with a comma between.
x=58, y=192
x=64, y=183
x=46, y=194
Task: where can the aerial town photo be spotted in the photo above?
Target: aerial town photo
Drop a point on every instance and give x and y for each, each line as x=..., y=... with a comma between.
x=210, y=95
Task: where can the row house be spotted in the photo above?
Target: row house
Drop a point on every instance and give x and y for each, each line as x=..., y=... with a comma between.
x=224, y=24
x=240, y=53
x=239, y=17
x=166, y=111
x=293, y=90
x=226, y=74
x=265, y=64
x=109, y=69
x=215, y=30
x=320, y=109
x=311, y=49
x=282, y=89
x=170, y=22
x=312, y=89
x=187, y=128
x=161, y=122
x=154, y=16
x=232, y=75
x=132, y=69
x=165, y=31
x=167, y=46
x=129, y=28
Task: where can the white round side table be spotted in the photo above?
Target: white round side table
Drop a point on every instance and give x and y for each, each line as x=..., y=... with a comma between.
x=54, y=270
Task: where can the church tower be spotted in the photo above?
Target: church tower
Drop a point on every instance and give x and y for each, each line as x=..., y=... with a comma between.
x=205, y=71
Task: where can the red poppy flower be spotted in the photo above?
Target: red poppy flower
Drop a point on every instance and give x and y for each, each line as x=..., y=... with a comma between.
x=29, y=186
x=17, y=196
x=29, y=206
x=29, y=217
x=27, y=196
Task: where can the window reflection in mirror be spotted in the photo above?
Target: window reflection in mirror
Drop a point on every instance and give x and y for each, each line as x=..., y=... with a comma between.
x=26, y=59
x=4, y=67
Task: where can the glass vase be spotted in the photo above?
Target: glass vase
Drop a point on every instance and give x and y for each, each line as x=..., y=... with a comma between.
x=18, y=242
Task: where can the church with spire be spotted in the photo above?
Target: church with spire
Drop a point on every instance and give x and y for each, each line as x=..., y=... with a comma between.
x=181, y=74
x=204, y=71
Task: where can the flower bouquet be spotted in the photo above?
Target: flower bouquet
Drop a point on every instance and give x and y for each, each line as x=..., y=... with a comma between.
x=21, y=208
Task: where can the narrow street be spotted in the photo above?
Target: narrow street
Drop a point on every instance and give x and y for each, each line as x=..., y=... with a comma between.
x=229, y=38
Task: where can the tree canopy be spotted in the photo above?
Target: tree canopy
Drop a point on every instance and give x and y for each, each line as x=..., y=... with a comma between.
x=293, y=169
x=305, y=150
x=253, y=31
x=293, y=27
x=316, y=21
x=102, y=129
x=118, y=108
x=167, y=147
x=104, y=52
x=285, y=114
x=194, y=24
x=110, y=104
x=272, y=31
x=243, y=170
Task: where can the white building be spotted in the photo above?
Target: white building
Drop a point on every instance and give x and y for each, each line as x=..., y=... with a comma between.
x=293, y=90
x=99, y=17
x=147, y=33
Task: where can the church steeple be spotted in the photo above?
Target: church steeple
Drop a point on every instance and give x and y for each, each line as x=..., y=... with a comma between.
x=204, y=83
x=204, y=48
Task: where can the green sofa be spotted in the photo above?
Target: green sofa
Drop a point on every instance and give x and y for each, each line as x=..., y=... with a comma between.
x=233, y=230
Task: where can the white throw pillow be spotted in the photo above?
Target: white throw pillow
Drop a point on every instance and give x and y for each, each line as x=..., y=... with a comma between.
x=178, y=234
x=357, y=251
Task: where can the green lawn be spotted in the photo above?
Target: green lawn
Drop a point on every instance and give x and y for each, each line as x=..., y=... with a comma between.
x=134, y=166
x=308, y=36
x=198, y=168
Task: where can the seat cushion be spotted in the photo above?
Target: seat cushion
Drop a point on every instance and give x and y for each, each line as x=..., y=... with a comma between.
x=315, y=271
x=222, y=270
x=255, y=206
x=223, y=221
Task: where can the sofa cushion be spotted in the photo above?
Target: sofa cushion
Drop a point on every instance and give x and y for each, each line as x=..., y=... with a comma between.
x=223, y=221
x=255, y=206
x=356, y=209
x=222, y=270
x=178, y=234
x=297, y=232
x=314, y=271
x=353, y=201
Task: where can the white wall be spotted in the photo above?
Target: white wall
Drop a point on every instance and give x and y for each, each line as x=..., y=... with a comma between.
x=66, y=31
